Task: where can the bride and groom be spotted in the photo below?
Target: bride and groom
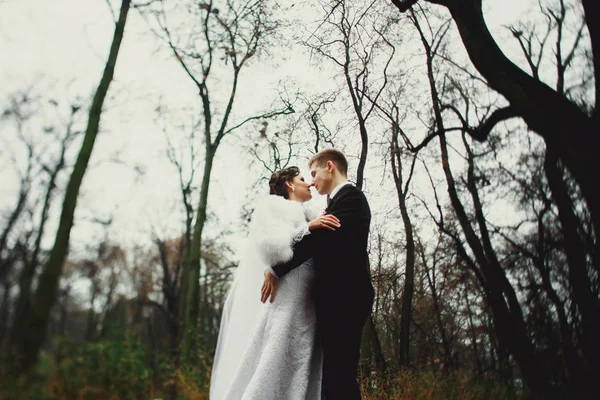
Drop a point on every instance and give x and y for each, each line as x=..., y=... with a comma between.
x=301, y=339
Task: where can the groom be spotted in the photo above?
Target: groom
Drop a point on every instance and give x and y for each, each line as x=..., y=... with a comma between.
x=343, y=292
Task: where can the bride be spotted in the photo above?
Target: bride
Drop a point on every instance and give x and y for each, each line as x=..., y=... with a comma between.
x=270, y=351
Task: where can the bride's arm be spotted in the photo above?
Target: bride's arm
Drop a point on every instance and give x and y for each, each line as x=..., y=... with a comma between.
x=271, y=235
x=303, y=246
x=303, y=250
x=300, y=233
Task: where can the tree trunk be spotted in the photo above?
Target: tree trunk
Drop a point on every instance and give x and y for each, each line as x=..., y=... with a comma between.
x=592, y=13
x=6, y=263
x=476, y=358
x=4, y=312
x=507, y=314
x=105, y=326
x=576, y=374
x=508, y=319
x=23, y=307
x=437, y=309
x=581, y=287
x=90, y=330
x=190, y=297
x=29, y=335
x=409, y=274
x=370, y=344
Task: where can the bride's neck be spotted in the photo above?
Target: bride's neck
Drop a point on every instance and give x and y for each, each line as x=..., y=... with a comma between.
x=293, y=197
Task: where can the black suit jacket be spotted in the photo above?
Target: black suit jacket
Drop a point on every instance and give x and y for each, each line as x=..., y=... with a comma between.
x=340, y=256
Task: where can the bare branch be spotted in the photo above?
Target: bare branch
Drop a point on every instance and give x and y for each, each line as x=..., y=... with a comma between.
x=483, y=130
x=272, y=114
x=432, y=136
x=112, y=11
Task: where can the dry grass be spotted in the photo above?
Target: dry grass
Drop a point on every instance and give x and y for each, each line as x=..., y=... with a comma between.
x=119, y=370
x=430, y=385
x=405, y=385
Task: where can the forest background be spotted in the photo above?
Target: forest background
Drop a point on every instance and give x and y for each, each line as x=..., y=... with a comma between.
x=138, y=135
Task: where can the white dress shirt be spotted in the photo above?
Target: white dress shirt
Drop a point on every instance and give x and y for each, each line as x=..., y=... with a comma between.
x=337, y=189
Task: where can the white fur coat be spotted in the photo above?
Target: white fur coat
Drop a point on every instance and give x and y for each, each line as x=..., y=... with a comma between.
x=276, y=225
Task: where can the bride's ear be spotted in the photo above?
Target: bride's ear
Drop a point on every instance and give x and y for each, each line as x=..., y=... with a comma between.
x=289, y=185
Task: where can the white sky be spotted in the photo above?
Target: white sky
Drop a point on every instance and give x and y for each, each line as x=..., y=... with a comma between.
x=61, y=46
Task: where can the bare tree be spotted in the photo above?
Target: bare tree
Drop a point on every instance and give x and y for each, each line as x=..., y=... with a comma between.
x=390, y=111
x=19, y=112
x=568, y=130
x=42, y=169
x=52, y=169
x=352, y=38
x=29, y=331
x=227, y=36
x=542, y=253
x=501, y=296
x=576, y=250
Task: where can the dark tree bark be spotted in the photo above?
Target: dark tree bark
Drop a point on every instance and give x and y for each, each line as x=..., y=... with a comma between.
x=409, y=275
x=171, y=290
x=4, y=312
x=476, y=356
x=430, y=274
x=577, y=375
x=587, y=302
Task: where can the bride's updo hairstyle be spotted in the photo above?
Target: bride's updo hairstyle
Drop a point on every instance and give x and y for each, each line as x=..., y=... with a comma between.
x=279, y=178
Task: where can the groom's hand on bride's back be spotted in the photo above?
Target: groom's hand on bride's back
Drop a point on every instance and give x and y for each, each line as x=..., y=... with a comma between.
x=269, y=287
x=327, y=221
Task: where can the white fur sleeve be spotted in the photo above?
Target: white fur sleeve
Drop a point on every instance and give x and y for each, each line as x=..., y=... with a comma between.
x=271, y=235
x=311, y=211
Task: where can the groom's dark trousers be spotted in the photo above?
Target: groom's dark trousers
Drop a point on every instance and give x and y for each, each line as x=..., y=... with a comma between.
x=343, y=289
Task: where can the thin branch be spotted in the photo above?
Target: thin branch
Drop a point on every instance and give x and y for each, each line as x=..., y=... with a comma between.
x=411, y=173
x=288, y=110
x=112, y=11
x=433, y=135
x=481, y=132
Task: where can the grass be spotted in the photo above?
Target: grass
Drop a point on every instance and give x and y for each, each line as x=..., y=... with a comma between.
x=118, y=370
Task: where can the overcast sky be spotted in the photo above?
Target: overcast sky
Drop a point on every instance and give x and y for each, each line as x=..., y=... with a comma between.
x=60, y=47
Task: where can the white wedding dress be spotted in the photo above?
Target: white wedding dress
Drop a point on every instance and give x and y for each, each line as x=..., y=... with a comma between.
x=269, y=351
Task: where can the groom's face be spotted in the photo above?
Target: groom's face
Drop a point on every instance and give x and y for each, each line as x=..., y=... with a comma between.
x=322, y=177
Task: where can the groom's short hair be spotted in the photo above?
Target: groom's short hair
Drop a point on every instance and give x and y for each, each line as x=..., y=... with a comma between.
x=333, y=155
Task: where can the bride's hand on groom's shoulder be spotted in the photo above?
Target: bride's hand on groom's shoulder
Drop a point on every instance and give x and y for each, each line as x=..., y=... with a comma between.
x=269, y=287
x=327, y=221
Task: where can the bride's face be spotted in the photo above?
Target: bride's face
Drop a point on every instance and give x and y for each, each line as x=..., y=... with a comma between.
x=301, y=189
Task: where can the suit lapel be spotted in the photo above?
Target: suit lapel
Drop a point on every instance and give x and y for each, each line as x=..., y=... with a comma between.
x=341, y=193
